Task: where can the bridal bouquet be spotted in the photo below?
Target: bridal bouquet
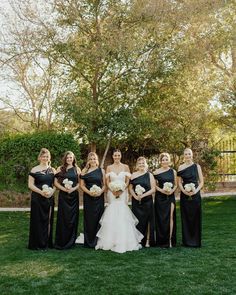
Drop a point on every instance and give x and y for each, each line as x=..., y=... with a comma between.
x=167, y=186
x=47, y=189
x=67, y=183
x=116, y=186
x=95, y=189
x=139, y=190
x=190, y=187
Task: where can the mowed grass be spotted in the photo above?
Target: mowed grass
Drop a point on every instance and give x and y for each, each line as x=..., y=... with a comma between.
x=209, y=270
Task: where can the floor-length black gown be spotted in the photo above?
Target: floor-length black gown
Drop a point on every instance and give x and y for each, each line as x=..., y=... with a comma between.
x=190, y=208
x=68, y=213
x=41, y=214
x=163, y=211
x=144, y=210
x=93, y=207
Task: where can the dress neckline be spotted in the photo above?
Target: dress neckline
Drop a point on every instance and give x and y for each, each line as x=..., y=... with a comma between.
x=163, y=172
x=91, y=171
x=140, y=175
x=187, y=167
x=118, y=173
x=44, y=171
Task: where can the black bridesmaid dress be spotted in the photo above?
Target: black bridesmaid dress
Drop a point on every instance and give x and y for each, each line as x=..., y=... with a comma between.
x=68, y=213
x=162, y=211
x=144, y=210
x=41, y=214
x=93, y=207
x=190, y=208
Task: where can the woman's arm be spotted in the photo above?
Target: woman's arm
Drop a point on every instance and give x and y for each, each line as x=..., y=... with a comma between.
x=201, y=180
x=103, y=181
x=58, y=184
x=180, y=183
x=84, y=188
x=34, y=188
x=153, y=187
x=175, y=185
x=127, y=178
x=132, y=192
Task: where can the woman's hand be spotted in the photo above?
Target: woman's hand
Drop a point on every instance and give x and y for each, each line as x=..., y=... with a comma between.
x=137, y=197
x=93, y=194
x=46, y=194
x=117, y=193
x=190, y=194
x=70, y=190
x=168, y=193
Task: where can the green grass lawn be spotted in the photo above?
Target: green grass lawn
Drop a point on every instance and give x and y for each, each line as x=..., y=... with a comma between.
x=209, y=270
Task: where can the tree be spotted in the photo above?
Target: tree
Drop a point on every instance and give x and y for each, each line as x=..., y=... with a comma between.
x=128, y=68
x=31, y=74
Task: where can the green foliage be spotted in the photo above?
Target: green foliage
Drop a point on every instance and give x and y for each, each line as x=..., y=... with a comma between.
x=209, y=165
x=18, y=154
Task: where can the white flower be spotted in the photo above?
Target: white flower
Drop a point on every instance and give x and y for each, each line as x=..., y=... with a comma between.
x=95, y=189
x=167, y=186
x=116, y=186
x=67, y=183
x=47, y=189
x=139, y=190
x=190, y=187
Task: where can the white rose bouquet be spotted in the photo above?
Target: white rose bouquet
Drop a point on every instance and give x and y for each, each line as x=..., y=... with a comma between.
x=95, y=189
x=67, y=183
x=190, y=187
x=167, y=186
x=47, y=189
x=116, y=186
x=139, y=190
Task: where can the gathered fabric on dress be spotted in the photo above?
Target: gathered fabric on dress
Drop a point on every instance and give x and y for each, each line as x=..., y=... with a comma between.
x=163, y=211
x=118, y=230
x=93, y=207
x=41, y=213
x=144, y=209
x=68, y=213
x=190, y=209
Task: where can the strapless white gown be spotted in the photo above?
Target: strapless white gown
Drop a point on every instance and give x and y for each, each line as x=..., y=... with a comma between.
x=118, y=230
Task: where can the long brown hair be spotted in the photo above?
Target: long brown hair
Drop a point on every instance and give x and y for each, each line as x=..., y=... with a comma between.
x=64, y=165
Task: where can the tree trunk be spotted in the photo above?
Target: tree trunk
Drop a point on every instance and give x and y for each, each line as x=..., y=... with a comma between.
x=93, y=147
x=105, y=152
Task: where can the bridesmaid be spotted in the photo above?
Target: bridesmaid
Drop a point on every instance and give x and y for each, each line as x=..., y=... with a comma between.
x=142, y=204
x=165, y=207
x=42, y=203
x=68, y=202
x=190, y=202
x=93, y=202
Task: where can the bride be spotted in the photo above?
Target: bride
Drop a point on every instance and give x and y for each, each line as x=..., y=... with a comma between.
x=118, y=231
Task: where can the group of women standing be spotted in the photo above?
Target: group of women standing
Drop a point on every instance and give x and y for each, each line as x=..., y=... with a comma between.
x=151, y=221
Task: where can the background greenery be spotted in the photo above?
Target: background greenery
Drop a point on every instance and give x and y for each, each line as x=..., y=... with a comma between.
x=19, y=153
x=145, y=76
x=208, y=270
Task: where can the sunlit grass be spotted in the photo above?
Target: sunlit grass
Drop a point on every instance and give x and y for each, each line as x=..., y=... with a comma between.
x=209, y=270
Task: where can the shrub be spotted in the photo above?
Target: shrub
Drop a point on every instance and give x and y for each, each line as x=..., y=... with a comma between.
x=18, y=154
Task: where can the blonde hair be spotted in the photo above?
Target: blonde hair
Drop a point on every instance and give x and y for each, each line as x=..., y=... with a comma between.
x=189, y=149
x=162, y=155
x=44, y=151
x=90, y=155
x=141, y=159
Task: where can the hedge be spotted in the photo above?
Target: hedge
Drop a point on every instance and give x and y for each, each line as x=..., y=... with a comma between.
x=18, y=154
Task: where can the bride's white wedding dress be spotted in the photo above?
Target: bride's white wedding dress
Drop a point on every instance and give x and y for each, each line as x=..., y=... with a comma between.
x=118, y=230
